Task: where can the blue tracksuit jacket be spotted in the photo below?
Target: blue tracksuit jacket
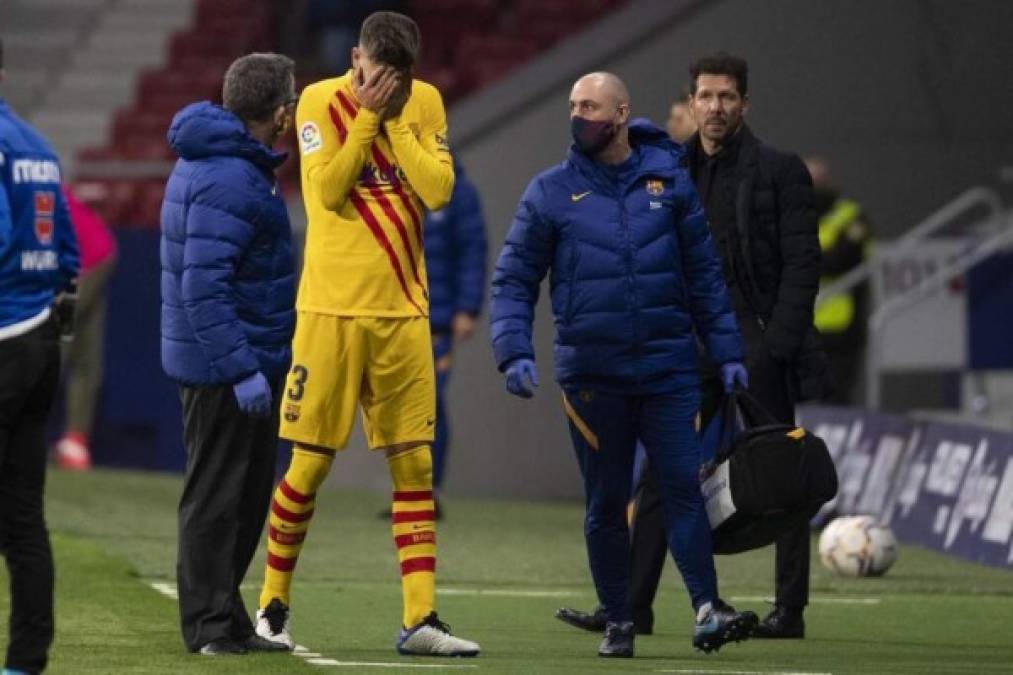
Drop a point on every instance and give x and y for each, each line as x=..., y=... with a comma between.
x=634, y=278
x=38, y=251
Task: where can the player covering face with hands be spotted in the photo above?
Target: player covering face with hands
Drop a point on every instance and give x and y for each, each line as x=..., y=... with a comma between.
x=373, y=154
x=634, y=281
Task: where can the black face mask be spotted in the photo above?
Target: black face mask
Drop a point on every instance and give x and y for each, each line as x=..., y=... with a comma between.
x=590, y=136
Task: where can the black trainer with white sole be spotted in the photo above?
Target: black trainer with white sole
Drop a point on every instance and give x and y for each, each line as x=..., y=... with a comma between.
x=721, y=625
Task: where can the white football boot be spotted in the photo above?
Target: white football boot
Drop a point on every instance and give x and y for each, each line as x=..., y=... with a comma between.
x=272, y=623
x=431, y=637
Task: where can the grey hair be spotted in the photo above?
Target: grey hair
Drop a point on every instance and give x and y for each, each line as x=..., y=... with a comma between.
x=256, y=84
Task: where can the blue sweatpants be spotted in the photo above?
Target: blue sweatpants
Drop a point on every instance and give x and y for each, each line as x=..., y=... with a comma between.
x=605, y=429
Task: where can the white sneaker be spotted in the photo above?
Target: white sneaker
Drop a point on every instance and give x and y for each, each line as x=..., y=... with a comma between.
x=272, y=623
x=431, y=637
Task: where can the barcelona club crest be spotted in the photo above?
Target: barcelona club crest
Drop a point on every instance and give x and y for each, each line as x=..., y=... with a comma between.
x=655, y=187
x=45, y=207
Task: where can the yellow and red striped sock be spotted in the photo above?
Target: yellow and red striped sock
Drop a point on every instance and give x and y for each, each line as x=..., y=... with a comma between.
x=413, y=523
x=291, y=510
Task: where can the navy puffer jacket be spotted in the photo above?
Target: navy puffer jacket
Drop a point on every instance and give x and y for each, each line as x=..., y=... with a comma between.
x=228, y=281
x=634, y=275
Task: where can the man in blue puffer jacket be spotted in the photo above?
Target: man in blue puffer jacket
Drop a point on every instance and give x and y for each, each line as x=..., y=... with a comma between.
x=228, y=295
x=634, y=281
x=455, y=264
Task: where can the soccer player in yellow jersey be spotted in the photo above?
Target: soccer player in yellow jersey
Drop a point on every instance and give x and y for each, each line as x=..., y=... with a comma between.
x=373, y=146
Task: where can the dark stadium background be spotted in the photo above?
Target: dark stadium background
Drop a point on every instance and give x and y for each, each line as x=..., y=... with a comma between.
x=909, y=100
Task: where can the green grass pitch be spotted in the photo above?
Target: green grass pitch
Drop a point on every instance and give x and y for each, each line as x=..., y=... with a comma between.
x=504, y=567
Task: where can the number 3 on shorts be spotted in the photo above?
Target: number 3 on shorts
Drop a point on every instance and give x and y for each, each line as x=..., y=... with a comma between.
x=300, y=374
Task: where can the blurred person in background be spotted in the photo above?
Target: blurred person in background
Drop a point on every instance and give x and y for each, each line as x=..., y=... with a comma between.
x=680, y=124
x=374, y=150
x=83, y=357
x=634, y=280
x=228, y=295
x=333, y=27
x=845, y=239
x=38, y=268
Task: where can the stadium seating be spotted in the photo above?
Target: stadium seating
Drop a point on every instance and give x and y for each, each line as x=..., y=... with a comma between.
x=197, y=58
x=467, y=44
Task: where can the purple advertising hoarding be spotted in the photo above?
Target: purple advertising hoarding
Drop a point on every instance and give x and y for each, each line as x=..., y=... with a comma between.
x=944, y=486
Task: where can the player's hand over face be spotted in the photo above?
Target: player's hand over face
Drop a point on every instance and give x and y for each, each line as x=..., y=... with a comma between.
x=375, y=92
x=398, y=99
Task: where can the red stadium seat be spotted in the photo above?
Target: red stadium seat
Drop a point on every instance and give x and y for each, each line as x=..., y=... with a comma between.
x=476, y=46
x=97, y=154
x=466, y=44
x=199, y=84
x=211, y=10
x=147, y=204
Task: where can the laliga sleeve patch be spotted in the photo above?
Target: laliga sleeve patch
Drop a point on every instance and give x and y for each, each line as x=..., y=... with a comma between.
x=309, y=138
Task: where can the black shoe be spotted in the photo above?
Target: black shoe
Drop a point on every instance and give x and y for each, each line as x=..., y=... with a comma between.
x=618, y=640
x=255, y=643
x=222, y=647
x=722, y=624
x=782, y=623
x=589, y=621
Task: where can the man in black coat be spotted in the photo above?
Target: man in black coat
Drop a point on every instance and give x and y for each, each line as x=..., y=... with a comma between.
x=759, y=203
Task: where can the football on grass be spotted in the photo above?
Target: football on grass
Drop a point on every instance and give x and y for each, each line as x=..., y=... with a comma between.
x=858, y=546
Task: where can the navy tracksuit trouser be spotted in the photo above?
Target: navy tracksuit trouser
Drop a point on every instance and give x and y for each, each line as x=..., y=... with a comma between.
x=605, y=429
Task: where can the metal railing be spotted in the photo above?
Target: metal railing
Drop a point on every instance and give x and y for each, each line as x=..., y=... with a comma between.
x=926, y=287
x=973, y=198
x=961, y=205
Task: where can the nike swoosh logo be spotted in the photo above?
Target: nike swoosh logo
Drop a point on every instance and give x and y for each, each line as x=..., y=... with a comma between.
x=577, y=198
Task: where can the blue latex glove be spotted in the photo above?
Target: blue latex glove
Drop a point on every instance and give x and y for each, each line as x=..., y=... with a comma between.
x=733, y=373
x=254, y=395
x=521, y=376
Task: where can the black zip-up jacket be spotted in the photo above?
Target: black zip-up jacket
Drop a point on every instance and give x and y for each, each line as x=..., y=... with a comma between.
x=775, y=251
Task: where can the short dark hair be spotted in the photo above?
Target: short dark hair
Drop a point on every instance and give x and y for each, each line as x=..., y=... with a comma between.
x=1, y=53
x=256, y=84
x=391, y=38
x=721, y=63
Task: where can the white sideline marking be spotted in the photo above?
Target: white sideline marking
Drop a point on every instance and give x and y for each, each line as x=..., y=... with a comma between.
x=165, y=588
x=379, y=664
x=508, y=593
x=315, y=658
x=829, y=601
x=697, y=671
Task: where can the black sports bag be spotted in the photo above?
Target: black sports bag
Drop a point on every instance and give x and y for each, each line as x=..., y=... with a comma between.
x=764, y=479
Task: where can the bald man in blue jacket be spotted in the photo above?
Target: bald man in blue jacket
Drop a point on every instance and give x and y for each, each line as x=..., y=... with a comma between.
x=634, y=283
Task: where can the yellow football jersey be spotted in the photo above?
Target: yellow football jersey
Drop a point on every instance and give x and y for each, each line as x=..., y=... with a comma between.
x=365, y=183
